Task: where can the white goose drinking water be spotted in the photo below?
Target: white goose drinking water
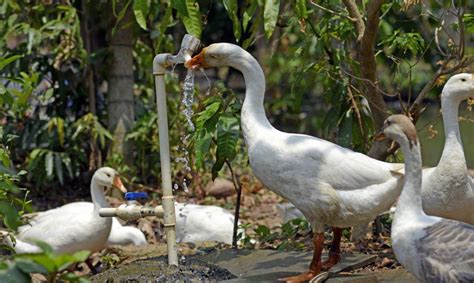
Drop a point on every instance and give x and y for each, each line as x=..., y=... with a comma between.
x=329, y=184
x=433, y=249
x=448, y=190
x=68, y=230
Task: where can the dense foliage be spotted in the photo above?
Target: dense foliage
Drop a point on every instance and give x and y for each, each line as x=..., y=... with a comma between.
x=334, y=69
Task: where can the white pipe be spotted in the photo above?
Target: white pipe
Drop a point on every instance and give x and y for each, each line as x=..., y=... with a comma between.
x=131, y=212
x=160, y=62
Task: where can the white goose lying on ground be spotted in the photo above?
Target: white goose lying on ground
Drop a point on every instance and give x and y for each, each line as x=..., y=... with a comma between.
x=119, y=234
x=201, y=223
x=68, y=230
x=433, y=249
x=448, y=191
x=329, y=184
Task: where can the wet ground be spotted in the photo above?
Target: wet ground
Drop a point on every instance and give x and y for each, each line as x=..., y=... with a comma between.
x=190, y=269
x=227, y=265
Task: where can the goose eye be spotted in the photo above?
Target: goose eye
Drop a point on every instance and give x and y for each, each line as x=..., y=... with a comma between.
x=463, y=80
x=108, y=175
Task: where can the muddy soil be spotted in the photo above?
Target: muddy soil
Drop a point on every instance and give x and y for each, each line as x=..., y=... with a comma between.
x=156, y=269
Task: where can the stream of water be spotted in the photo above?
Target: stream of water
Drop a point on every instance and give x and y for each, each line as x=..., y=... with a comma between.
x=188, y=99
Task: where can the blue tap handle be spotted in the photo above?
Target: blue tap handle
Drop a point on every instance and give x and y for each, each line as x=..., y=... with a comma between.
x=136, y=195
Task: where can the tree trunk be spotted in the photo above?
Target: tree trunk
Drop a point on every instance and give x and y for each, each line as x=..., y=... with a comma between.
x=120, y=81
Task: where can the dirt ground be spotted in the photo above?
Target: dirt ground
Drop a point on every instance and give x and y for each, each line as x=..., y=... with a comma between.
x=258, y=207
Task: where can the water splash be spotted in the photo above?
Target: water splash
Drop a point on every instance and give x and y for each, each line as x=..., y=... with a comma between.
x=208, y=91
x=188, y=98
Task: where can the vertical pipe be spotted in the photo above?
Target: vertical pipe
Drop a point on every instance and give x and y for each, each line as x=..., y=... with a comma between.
x=188, y=46
x=168, y=202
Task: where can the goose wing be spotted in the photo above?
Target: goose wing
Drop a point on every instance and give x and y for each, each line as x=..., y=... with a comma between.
x=345, y=169
x=447, y=252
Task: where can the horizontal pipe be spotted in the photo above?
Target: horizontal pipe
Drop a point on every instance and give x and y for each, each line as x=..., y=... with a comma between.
x=131, y=212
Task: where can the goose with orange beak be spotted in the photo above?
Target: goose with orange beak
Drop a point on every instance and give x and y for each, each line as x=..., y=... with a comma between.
x=329, y=184
x=75, y=226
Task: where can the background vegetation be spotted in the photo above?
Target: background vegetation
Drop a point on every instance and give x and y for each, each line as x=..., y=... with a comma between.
x=76, y=86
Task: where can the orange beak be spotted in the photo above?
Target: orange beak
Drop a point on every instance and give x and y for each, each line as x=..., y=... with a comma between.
x=380, y=136
x=197, y=61
x=118, y=184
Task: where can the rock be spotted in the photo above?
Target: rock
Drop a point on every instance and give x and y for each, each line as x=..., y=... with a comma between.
x=220, y=188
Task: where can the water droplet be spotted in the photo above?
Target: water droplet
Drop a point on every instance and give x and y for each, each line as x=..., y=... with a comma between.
x=188, y=98
x=208, y=91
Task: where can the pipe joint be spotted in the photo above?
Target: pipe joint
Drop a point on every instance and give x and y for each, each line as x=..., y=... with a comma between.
x=132, y=211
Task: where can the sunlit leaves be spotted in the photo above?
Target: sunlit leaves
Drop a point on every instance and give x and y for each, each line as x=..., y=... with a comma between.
x=270, y=16
x=232, y=9
x=140, y=9
x=188, y=10
x=89, y=126
x=217, y=131
x=404, y=42
x=301, y=9
x=469, y=22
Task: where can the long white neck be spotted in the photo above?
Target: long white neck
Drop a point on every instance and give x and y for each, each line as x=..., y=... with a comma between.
x=98, y=197
x=254, y=120
x=409, y=203
x=453, y=143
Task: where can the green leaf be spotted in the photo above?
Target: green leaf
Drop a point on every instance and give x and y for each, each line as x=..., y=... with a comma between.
x=228, y=132
x=248, y=14
x=11, y=219
x=192, y=22
x=270, y=16
x=3, y=90
x=14, y=275
x=301, y=9
x=42, y=259
x=60, y=130
x=201, y=147
x=140, y=9
x=231, y=7
x=8, y=60
x=29, y=266
x=204, y=116
x=181, y=7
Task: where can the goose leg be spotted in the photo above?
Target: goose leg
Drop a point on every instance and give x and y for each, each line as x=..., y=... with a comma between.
x=335, y=251
x=315, y=266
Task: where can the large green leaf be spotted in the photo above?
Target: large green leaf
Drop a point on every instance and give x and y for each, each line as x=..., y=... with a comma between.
x=192, y=23
x=232, y=9
x=8, y=60
x=270, y=16
x=201, y=147
x=227, y=136
x=9, y=214
x=206, y=116
x=248, y=14
x=140, y=9
x=181, y=7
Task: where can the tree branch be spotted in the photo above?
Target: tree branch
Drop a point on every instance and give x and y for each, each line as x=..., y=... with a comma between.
x=356, y=17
